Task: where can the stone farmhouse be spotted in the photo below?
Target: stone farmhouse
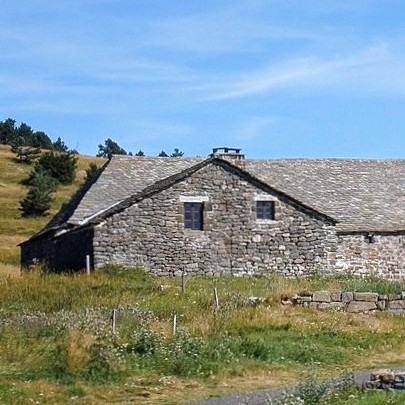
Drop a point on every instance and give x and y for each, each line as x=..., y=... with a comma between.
x=227, y=215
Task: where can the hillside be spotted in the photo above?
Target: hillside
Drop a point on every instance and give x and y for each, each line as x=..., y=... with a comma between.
x=13, y=228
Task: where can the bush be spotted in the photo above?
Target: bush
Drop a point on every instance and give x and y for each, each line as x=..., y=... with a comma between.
x=313, y=392
x=87, y=348
x=91, y=172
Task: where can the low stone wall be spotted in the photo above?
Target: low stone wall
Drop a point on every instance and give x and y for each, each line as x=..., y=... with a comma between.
x=348, y=301
x=386, y=379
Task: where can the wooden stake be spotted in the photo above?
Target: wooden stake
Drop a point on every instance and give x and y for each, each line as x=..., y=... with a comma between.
x=183, y=290
x=174, y=324
x=216, y=298
x=88, y=264
x=114, y=320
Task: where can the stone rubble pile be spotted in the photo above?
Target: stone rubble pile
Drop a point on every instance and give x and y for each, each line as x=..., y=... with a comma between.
x=348, y=301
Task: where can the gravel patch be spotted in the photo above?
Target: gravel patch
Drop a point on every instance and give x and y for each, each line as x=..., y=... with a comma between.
x=263, y=396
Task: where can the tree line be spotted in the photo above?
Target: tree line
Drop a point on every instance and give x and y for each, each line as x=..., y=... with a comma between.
x=111, y=147
x=27, y=143
x=53, y=163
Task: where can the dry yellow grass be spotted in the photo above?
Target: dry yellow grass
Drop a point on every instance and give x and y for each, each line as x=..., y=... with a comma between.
x=9, y=250
x=9, y=270
x=79, y=344
x=13, y=228
x=164, y=390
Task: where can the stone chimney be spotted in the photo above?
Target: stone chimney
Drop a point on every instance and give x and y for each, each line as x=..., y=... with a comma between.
x=232, y=155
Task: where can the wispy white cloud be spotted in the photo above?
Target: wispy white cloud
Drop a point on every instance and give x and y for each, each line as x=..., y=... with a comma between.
x=252, y=127
x=197, y=70
x=375, y=69
x=239, y=28
x=163, y=129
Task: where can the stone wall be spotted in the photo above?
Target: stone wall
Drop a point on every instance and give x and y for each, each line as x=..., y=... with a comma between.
x=377, y=254
x=348, y=301
x=151, y=232
x=386, y=379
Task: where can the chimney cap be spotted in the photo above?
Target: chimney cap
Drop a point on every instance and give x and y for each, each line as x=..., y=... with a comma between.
x=225, y=149
x=227, y=153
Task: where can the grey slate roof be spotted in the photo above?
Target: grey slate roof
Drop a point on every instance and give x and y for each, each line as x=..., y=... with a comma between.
x=125, y=176
x=168, y=182
x=362, y=195
x=359, y=194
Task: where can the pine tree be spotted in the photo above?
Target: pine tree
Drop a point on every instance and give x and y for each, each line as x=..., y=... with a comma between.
x=38, y=201
x=25, y=154
x=92, y=171
x=110, y=148
x=177, y=153
x=60, y=166
x=59, y=146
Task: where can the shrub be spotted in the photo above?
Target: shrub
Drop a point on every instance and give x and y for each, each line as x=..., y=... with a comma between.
x=88, y=349
x=313, y=392
x=91, y=172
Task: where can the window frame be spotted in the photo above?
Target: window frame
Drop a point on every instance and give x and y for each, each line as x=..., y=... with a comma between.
x=193, y=217
x=265, y=210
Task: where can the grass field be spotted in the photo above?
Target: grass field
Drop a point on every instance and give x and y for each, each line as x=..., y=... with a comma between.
x=57, y=343
x=57, y=340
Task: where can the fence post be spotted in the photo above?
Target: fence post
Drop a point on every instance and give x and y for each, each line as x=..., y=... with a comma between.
x=88, y=264
x=183, y=290
x=174, y=324
x=216, y=298
x=114, y=321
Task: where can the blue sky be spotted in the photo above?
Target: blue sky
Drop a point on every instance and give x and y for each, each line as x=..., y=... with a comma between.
x=280, y=79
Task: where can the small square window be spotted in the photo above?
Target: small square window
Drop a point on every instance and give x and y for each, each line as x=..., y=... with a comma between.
x=265, y=210
x=193, y=216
